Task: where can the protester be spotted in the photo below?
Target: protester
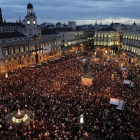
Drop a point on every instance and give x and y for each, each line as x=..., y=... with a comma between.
x=56, y=96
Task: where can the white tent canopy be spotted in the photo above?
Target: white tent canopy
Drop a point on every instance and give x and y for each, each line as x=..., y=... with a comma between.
x=120, y=105
x=126, y=82
x=38, y=64
x=84, y=60
x=116, y=61
x=32, y=66
x=123, y=69
x=114, y=101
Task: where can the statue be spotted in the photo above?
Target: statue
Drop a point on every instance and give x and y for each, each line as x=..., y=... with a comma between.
x=19, y=112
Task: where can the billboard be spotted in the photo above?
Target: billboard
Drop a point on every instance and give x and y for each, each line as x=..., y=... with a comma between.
x=47, y=49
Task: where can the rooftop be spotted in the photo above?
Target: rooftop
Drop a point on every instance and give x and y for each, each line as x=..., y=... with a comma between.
x=107, y=29
x=48, y=32
x=6, y=35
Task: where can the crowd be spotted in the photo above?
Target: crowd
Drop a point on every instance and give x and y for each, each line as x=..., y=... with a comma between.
x=56, y=96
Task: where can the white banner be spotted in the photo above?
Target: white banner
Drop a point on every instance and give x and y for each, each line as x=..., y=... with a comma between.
x=47, y=49
x=81, y=119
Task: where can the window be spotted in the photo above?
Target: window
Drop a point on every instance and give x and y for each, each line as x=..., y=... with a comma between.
x=40, y=46
x=26, y=48
x=5, y=52
x=16, y=49
x=11, y=50
x=49, y=44
x=55, y=42
x=21, y=49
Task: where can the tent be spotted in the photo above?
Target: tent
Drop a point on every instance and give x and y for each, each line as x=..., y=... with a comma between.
x=131, y=84
x=116, y=61
x=126, y=82
x=114, y=101
x=84, y=60
x=32, y=66
x=38, y=64
x=120, y=105
x=123, y=69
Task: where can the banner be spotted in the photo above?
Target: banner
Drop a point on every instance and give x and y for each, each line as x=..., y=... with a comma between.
x=81, y=119
x=47, y=49
x=86, y=81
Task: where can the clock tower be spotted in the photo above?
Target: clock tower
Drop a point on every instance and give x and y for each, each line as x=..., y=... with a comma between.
x=31, y=20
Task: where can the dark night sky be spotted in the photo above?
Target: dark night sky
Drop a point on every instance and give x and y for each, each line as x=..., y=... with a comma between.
x=81, y=11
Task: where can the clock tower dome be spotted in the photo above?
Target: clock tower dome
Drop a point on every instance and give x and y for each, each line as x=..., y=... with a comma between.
x=31, y=19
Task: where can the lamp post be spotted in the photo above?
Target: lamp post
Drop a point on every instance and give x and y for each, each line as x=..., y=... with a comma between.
x=63, y=47
x=36, y=54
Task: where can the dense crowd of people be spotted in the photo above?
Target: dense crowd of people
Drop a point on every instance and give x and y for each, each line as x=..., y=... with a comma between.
x=56, y=96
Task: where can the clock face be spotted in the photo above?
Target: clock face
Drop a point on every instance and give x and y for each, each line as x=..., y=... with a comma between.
x=34, y=22
x=28, y=22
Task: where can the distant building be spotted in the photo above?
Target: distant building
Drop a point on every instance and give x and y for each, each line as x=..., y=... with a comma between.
x=9, y=26
x=131, y=42
x=123, y=27
x=1, y=19
x=72, y=25
x=73, y=40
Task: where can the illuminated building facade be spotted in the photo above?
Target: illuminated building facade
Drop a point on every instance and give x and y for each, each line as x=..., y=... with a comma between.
x=109, y=38
x=25, y=47
x=73, y=40
x=106, y=39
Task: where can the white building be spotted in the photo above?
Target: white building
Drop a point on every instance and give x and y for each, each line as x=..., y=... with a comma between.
x=72, y=25
x=106, y=38
x=69, y=38
x=131, y=42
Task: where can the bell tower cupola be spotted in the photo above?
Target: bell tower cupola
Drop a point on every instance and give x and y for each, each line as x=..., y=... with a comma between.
x=30, y=9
